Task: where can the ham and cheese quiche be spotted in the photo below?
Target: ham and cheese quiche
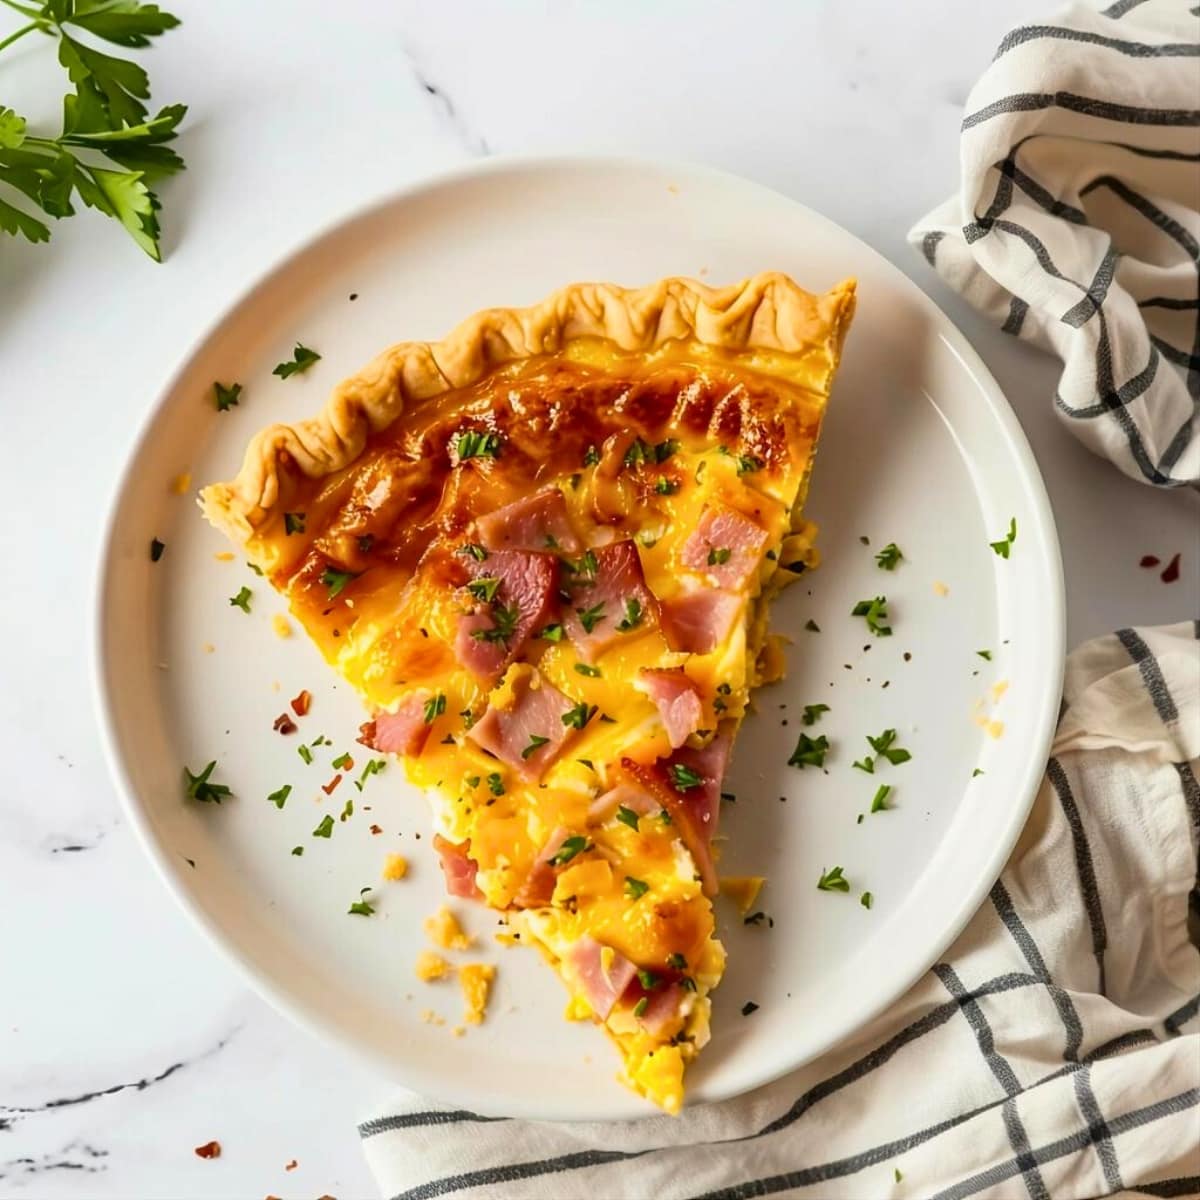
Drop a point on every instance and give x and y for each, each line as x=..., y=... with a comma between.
x=542, y=551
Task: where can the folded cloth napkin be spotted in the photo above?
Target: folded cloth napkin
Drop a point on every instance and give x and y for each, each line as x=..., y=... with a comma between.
x=1076, y=223
x=1054, y=1051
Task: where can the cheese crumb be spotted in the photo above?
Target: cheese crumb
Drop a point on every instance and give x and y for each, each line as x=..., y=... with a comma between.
x=742, y=890
x=430, y=966
x=506, y=937
x=395, y=866
x=431, y=1018
x=993, y=729
x=459, y=1031
x=476, y=980
x=224, y=556
x=578, y=1009
x=280, y=624
x=998, y=689
x=444, y=930
x=182, y=483
x=940, y=589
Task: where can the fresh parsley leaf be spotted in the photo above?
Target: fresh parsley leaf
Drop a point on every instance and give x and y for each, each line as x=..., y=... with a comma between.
x=199, y=787
x=535, y=741
x=302, y=358
x=627, y=816
x=895, y=1170
x=584, y=568
x=504, y=624
x=325, y=829
x=586, y=669
x=474, y=444
x=635, y=889
x=882, y=745
x=293, y=522
x=361, y=908
x=578, y=716
x=495, y=784
x=986, y=655
x=866, y=899
x=434, y=707
x=867, y=763
x=677, y=961
x=665, y=449
x=336, y=581
x=569, y=849
x=718, y=555
x=591, y=456
x=879, y=802
x=298, y=851
x=551, y=633
x=306, y=754
x=889, y=556
x=156, y=549
x=226, y=397
x=976, y=773
x=875, y=612
x=809, y=752
x=242, y=599
x=342, y=761
x=484, y=588
x=279, y=798
x=666, y=487
x=473, y=550
x=812, y=713
x=648, y=980
x=589, y=618
x=683, y=778
x=1004, y=546
x=639, y=1009
x=747, y=464
x=638, y=453
x=833, y=881
x=633, y=615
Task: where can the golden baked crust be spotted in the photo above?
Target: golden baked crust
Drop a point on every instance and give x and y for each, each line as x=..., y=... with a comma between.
x=765, y=314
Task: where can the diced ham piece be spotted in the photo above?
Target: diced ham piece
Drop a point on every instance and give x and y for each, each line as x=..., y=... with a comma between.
x=539, y=883
x=727, y=546
x=677, y=699
x=623, y=795
x=698, y=621
x=527, y=585
x=458, y=867
x=403, y=731
x=616, y=602
x=586, y=961
x=688, y=785
x=662, y=1008
x=538, y=522
x=514, y=734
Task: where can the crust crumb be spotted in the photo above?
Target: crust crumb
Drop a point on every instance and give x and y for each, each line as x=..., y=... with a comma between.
x=444, y=930
x=476, y=980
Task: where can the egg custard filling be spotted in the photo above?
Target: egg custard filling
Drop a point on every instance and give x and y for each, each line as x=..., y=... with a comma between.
x=542, y=551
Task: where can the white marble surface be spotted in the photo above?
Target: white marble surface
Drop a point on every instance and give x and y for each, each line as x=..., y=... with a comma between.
x=125, y=1040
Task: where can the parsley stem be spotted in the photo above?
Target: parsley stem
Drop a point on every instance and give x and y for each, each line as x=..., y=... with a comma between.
x=20, y=33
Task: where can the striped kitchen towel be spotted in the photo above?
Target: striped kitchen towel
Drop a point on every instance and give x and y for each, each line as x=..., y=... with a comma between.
x=1076, y=223
x=1053, y=1052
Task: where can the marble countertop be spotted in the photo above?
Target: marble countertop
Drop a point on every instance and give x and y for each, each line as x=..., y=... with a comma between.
x=125, y=1040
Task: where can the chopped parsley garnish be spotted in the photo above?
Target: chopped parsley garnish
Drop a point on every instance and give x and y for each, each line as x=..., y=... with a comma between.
x=434, y=707
x=156, y=549
x=504, y=624
x=683, y=778
x=474, y=444
x=347, y=811
x=748, y=1008
x=226, y=397
x=882, y=745
x=809, y=752
x=730, y=796
x=551, y=542
x=198, y=787
x=866, y=899
x=484, y=588
x=689, y=985
x=895, y=1170
x=812, y=626
x=343, y=760
x=755, y=918
x=587, y=762
x=360, y=908
x=677, y=961
x=293, y=522
x=889, y=556
x=306, y=754
x=639, y=1009
x=647, y=979
x=574, y=845
x=472, y=781
x=578, y=716
x=365, y=543
x=535, y=741
x=867, y=763
x=302, y=358
x=718, y=555
x=472, y=550
x=279, y=798
x=879, y=803
x=589, y=618
x=325, y=829
x=336, y=581
x=551, y=633
x=495, y=784
x=812, y=713
x=747, y=464
x=586, y=566
x=638, y=453
x=633, y=615
x=1004, y=545
x=242, y=599
x=591, y=456
x=627, y=816
x=297, y=850
x=590, y=671
x=665, y=817
x=635, y=889
x=986, y=655
x=875, y=611
x=833, y=881
x=373, y=767
x=665, y=449
x=666, y=487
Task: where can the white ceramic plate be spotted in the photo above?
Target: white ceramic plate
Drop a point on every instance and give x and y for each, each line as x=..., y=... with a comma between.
x=920, y=448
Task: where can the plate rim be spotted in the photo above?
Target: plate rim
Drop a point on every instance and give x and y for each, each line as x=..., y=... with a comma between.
x=1032, y=481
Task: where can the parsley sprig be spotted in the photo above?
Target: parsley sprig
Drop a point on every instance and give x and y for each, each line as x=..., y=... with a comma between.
x=876, y=613
x=1004, y=546
x=199, y=787
x=302, y=358
x=833, y=881
x=888, y=557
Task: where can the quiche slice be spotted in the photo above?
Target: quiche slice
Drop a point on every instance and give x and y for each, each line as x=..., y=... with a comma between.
x=542, y=551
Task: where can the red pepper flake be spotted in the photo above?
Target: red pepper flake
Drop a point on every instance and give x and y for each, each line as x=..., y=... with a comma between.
x=376, y=829
x=284, y=724
x=1149, y=560
x=328, y=788
x=209, y=1150
x=302, y=704
x=366, y=735
x=291, y=1166
x=1171, y=572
